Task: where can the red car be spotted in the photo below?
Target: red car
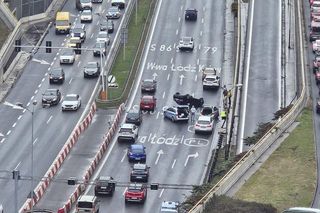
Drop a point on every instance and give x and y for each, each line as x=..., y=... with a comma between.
x=136, y=193
x=148, y=102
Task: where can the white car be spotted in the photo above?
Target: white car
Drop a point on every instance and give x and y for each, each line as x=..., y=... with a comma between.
x=204, y=124
x=128, y=132
x=316, y=46
x=169, y=206
x=71, y=102
x=211, y=81
x=186, y=43
x=67, y=56
x=103, y=36
x=86, y=16
x=113, y=12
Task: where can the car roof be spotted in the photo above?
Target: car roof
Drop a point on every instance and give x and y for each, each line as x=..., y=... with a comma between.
x=71, y=95
x=105, y=178
x=148, y=80
x=135, y=186
x=169, y=205
x=87, y=10
x=139, y=166
x=136, y=146
x=204, y=118
x=148, y=97
x=53, y=90
x=126, y=125
x=133, y=110
x=86, y=198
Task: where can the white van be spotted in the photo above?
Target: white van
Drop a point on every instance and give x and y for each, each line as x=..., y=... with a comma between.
x=120, y=3
x=87, y=204
x=301, y=210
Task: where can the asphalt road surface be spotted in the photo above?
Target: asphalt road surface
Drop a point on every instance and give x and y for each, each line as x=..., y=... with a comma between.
x=51, y=126
x=175, y=154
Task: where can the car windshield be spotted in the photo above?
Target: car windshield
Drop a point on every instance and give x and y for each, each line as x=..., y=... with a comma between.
x=102, y=35
x=147, y=83
x=125, y=130
x=147, y=100
x=67, y=52
x=77, y=30
x=139, y=166
x=83, y=204
x=137, y=150
x=49, y=93
x=85, y=1
x=133, y=114
x=91, y=65
x=86, y=12
x=98, y=45
x=113, y=9
x=203, y=122
x=70, y=98
x=186, y=40
x=56, y=72
x=210, y=78
x=136, y=188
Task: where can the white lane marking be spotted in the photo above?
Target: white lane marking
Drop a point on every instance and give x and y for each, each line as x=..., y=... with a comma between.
x=43, y=80
x=98, y=22
x=202, y=20
x=61, y=99
x=20, y=116
x=163, y=95
x=70, y=81
x=62, y=44
x=103, y=10
x=181, y=7
x=28, y=104
x=79, y=63
x=161, y=193
x=196, y=78
x=46, y=72
x=171, y=60
x=14, y=124
x=177, y=31
x=124, y=190
x=24, y=111
x=39, y=85
x=91, y=35
x=204, y=8
x=55, y=58
x=199, y=46
x=179, y=19
x=174, y=163
x=49, y=119
x=158, y=115
x=64, y=40
x=124, y=155
x=51, y=63
x=17, y=166
x=168, y=77
x=32, y=98
x=60, y=49
x=35, y=141
x=8, y=133
x=35, y=92
x=2, y=140
x=198, y=61
x=200, y=33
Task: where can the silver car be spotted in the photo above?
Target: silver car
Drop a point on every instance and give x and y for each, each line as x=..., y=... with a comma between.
x=86, y=16
x=186, y=43
x=67, y=56
x=103, y=36
x=204, y=124
x=113, y=13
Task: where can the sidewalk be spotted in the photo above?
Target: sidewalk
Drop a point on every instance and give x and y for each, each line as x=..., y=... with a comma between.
x=77, y=162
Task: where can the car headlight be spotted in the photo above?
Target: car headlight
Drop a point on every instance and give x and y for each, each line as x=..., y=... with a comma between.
x=54, y=99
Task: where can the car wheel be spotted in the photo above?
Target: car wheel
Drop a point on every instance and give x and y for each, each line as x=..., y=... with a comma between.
x=172, y=119
x=96, y=193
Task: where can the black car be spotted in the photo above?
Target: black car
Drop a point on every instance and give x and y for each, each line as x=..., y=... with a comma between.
x=139, y=173
x=51, y=97
x=79, y=30
x=110, y=26
x=92, y=69
x=103, y=24
x=314, y=36
x=99, y=47
x=149, y=85
x=191, y=15
x=134, y=116
x=96, y=1
x=56, y=75
x=188, y=99
x=104, y=185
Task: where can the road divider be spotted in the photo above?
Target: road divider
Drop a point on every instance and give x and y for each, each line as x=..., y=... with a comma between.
x=55, y=166
x=107, y=139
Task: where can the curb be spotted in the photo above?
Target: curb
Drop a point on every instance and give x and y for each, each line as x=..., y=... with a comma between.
x=107, y=139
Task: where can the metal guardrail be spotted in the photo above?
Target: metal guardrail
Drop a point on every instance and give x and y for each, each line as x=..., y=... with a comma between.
x=9, y=19
x=240, y=168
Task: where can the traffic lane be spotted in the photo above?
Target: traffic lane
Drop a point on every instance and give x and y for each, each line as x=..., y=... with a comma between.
x=263, y=87
x=77, y=162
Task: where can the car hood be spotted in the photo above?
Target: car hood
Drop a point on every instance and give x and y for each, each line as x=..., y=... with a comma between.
x=69, y=102
x=49, y=97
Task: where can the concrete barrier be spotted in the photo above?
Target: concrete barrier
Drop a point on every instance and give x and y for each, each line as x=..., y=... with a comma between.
x=107, y=139
x=7, y=17
x=250, y=158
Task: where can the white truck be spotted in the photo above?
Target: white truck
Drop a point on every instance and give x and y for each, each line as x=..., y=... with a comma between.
x=210, y=78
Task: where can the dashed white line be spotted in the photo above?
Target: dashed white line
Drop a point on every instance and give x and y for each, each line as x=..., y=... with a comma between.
x=62, y=44
x=24, y=111
x=103, y=10
x=61, y=99
x=35, y=141
x=179, y=19
x=39, y=85
x=55, y=58
x=177, y=31
x=79, y=64
x=196, y=78
x=35, y=92
x=2, y=140
x=49, y=119
x=181, y=7
x=198, y=61
x=202, y=20
x=60, y=49
x=17, y=166
x=32, y=98
x=199, y=46
x=204, y=8
x=48, y=70
x=28, y=103
x=161, y=193
x=174, y=163
x=157, y=115
x=163, y=95
x=70, y=81
x=124, y=190
x=200, y=33
x=43, y=80
x=20, y=116
x=168, y=77
x=14, y=125
x=8, y=133
x=123, y=157
x=64, y=40
x=98, y=22
x=171, y=60
x=91, y=35
x=52, y=64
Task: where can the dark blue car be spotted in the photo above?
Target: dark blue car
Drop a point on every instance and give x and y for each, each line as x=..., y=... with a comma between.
x=136, y=152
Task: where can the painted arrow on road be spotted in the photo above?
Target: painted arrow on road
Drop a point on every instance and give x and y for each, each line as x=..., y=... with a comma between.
x=191, y=156
x=160, y=152
x=40, y=61
x=154, y=76
x=181, y=79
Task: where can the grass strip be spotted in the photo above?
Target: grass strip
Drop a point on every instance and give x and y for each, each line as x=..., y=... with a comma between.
x=126, y=63
x=288, y=177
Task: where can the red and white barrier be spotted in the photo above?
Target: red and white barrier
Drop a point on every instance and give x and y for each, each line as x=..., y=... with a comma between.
x=40, y=189
x=106, y=141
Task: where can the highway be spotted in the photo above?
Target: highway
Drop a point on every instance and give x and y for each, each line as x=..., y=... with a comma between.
x=49, y=133
x=262, y=97
x=175, y=154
